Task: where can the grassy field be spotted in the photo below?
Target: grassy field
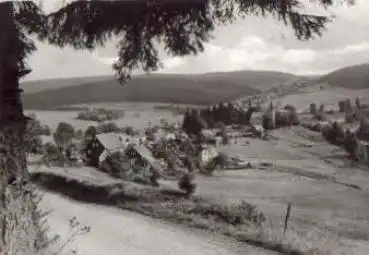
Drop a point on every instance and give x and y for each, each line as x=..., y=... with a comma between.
x=329, y=97
x=135, y=115
x=329, y=197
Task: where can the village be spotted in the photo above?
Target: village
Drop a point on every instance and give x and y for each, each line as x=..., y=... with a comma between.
x=199, y=143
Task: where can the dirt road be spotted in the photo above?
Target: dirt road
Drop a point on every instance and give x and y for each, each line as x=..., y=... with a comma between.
x=115, y=232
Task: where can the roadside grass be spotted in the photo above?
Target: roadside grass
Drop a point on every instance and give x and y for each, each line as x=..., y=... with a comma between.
x=241, y=221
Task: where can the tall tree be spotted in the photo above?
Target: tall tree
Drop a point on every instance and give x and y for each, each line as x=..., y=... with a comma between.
x=181, y=26
x=19, y=217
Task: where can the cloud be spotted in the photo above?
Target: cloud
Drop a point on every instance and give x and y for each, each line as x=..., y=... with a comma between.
x=352, y=49
x=253, y=43
x=104, y=60
x=253, y=52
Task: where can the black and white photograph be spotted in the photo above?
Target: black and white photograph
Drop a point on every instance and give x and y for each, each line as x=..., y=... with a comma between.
x=184, y=127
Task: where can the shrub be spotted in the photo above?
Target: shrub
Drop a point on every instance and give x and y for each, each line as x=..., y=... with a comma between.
x=289, y=107
x=267, y=121
x=117, y=165
x=32, y=135
x=54, y=155
x=99, y=115
x=348, y=106
x=150, y=132
x=219, y=125
x=186, y=184
x=294, y=117
x=363, y=131
x=79, y=134
x=34, y=127
x=320, y=116
x=63, y=135
x=234, y=214
x=334, y=134
x=342, y=106
x=128, y=131
x=315, y=126
x=225, y=139
x=351, y=144
x=193, y=122
x=33, y=144
x=91, y=131
x=358, y=103
x=313, y=109
x=349, y=117
x=322, y=108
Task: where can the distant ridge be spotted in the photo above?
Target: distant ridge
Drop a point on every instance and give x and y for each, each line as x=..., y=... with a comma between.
x=351, y=77
x=164, y=88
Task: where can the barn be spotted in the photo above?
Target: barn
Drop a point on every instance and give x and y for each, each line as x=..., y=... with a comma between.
x=102, y=145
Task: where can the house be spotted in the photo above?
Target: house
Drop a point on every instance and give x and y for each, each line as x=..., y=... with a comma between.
x=137, y=158
x=170, y=136
x=102, y=145
x=363, y=151
x=208, y=135
x=207, y=154
x=258, y=130
x=92, y=151
x=145, y=166
x=111, y=142
x=127, y=140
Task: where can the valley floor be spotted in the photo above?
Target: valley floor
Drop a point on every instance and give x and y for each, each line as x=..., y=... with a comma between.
x=330, y=209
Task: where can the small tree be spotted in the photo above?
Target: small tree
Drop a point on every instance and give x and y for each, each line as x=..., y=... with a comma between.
x=186, y=184
x=342, y=106
x=34, y=126
x=358, y=103
x=348, y=106
x=294, y=117
x=351, y=144
x=128, y=131
x=63, y=135
x=363, y=131
x=90, y=132
x=322, y=108
x=79, y=134
x=33, y=144
x=107, y=127
x=349, y=117
x=334, y=134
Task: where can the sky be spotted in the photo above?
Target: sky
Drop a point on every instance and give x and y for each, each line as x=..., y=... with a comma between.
x=253, y=43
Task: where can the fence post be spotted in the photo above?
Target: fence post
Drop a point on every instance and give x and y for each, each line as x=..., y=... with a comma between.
x=288, y=213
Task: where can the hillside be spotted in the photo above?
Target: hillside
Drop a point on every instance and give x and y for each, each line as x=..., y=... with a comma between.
x=187, y=89
x=351, y=77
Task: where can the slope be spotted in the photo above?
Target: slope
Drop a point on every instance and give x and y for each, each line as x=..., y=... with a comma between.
x=116, y=231
x=187, y=89
x=351, y=77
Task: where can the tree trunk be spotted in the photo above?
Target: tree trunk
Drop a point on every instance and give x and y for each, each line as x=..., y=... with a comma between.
x=18, y=212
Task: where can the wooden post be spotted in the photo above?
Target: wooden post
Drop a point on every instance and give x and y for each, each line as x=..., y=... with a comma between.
x=288, y=213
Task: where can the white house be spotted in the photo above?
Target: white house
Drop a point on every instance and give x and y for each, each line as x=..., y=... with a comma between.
x=207, y=154
x=113, y=142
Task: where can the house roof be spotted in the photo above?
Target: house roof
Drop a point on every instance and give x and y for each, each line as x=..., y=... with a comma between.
x=364, y=143
x=145, y=153
x=208, y=132
x=110, y=141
